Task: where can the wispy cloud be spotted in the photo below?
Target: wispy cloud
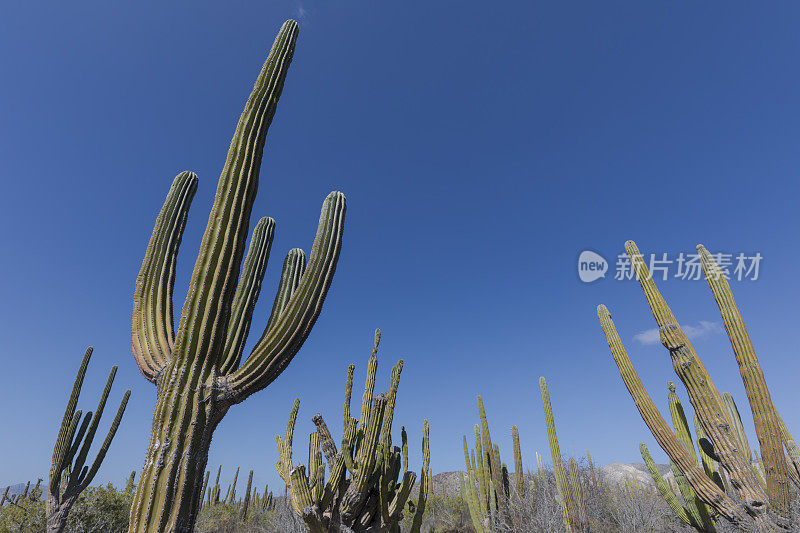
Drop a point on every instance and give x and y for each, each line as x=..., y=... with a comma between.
x=302, y=12
x=703, y=329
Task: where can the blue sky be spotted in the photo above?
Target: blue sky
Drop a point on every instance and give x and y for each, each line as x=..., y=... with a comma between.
x=481, y=146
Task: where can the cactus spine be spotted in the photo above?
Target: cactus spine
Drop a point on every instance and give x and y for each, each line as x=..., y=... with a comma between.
x=370, y=497
x=763, y=505
x=69, y=474
x=199, y=372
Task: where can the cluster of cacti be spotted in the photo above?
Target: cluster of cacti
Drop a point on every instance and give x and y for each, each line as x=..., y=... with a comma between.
x=737, y=493
x=69, y=473
x=26, y=494
x=486, y=486
x=489, y=492
x=692, y=511
x=199, y=373
x=251, y=501
x=362, y=492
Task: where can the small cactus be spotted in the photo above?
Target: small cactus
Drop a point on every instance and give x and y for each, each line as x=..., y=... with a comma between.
x=69, y=474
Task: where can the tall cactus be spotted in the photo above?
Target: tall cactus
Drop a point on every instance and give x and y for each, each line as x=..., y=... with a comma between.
x=370, y=497
x=69, y=473
x=199, y=372
x=764, y=506
x=486, y=486
x=570, y=495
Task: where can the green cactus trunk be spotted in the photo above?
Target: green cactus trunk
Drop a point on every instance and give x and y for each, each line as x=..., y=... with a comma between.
x=168, y=495
x=200, y=372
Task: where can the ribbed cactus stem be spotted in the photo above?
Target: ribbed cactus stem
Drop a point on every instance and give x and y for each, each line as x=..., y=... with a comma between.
x=69, y=474
x=702, y=486
x=518, y=473
x=199, y=371
x=577, y=496
x=765, y=416
x=791, y=449
x=664, y=488
x=698, y=510
x=246, y=502
x=425, y=479
x=362, y=492
x=568, y=509
x=705, y=397
x=231, y=499
x=595, y=485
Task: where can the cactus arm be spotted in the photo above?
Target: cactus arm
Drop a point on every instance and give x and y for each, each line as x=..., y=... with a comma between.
x=67, y=430
x=703, y=394
x=284, y=465
x=246, y=503
x=95, y=420
x=703, y=487
x=404, y=440
x=205, y=314
x=664, y=489
x=301, y=491
x=765, y=416
x=705, y=457
x=206, y=488
x=476, y=512
x=357, y=492
x=153, y=331
x=271, y=356
x=738, y=428
x=679, y=421
x=337, y=468
x=247, y=292
x=518, y=474
x=68, y=480
x=326, y=441
x=493, y=475
x=101, y=453
x=566, y=501
x=369, y=384
x=294, y=265
x=698, y=510
x=401, y=496
x=577, y=495
x=348, y=391
x=424, y=480
x=791, y=449
x=232, y=494
x=389, y=415
x=314, y=458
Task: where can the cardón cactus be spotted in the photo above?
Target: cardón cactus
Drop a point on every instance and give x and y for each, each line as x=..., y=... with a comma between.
x=362, y=492
x=199, y=372
x=764, y=504
x=69, y=474
x=486, y=487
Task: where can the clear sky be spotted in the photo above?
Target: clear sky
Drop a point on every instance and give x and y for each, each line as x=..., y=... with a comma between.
x=481, y=146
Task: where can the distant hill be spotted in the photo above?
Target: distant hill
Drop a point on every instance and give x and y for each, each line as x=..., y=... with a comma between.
x=615, y=473
x=18, y=488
